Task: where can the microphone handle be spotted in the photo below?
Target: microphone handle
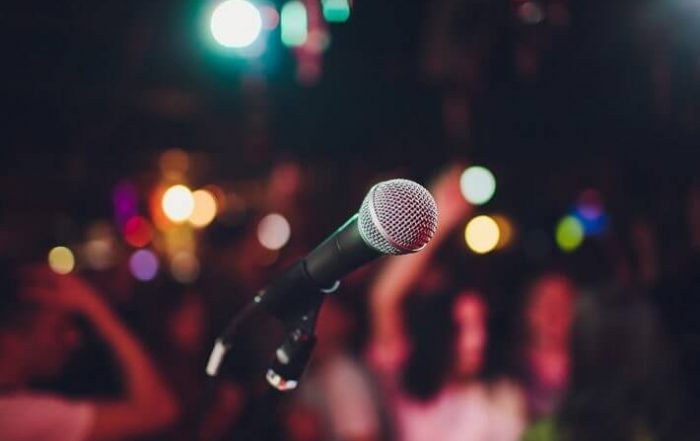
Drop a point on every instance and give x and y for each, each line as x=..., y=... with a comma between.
x=342, y=252
x=302, y=285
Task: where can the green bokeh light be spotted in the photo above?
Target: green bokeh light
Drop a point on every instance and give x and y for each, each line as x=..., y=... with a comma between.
x=336, y=11
x=569, y=233
x=293, y=24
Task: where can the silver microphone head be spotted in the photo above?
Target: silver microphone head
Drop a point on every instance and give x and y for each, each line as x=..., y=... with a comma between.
x=398, y=217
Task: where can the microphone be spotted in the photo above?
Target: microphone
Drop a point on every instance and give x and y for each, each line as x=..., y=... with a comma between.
x=396, y=217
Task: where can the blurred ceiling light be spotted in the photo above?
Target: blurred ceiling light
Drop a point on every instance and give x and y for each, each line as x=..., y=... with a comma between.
x=138, y=231
x=477, y=184
x=185, y=267
x=293, y=23
x=143, y=265
x=205, y=208
x=178, y=203
x=482, y=234
x=274, y=231
x=336, y=11
x=236, y=23
x=569, y=233
x=61, y=260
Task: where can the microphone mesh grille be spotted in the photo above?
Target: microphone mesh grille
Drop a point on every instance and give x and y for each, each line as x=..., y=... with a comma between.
x=398, y=217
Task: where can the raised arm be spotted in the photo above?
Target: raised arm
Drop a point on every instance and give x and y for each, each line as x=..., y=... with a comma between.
x=388, y=346
x=147, y=404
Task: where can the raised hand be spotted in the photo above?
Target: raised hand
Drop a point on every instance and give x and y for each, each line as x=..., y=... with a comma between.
x=65, y=292
x=452, y=206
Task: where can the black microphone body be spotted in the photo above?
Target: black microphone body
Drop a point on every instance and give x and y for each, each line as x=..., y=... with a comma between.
x=301, y=285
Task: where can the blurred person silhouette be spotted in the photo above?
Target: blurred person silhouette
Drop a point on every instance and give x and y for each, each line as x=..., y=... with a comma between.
x=38, y=333
x=623, y=384
x=180, y=336
x=337, y=399
x=430, y=363
x=548, y=315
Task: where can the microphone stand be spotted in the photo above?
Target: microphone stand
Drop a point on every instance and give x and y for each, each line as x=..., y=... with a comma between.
x=289, y=361
x=288, y=365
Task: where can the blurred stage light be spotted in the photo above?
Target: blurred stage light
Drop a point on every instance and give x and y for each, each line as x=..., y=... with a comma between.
x=236, y=23
x=506, y=231
x=590, y=205
x=98, y=251
x=178, y=203
x=270, y=17
x=293, y=23
x=531, y=13
x=61, y=260
x=569, y=233
x=482, y=234
x=336, y=11
x=138, y=231
x=125, y=201
x=318, y=41
x=274, y=231
x=477, y=185
x=174, y=164
x=589, y=211
x=205, y=208
x=99, y=254
x=143, y=265
x=184, y=267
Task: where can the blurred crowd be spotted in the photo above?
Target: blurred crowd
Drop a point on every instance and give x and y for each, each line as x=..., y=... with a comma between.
x=418, y=347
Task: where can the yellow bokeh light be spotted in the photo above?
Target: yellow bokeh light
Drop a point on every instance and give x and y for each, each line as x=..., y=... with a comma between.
x=178, y=203
x=482, y=234
x=205, y=208
x=61, y=260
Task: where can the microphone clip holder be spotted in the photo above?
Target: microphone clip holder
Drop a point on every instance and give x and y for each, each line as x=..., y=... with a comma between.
x=293, y=355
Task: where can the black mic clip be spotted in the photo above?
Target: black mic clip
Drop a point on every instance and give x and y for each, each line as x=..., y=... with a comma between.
x=292, y=357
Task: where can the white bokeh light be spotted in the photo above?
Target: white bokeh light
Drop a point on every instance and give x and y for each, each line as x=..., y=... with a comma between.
x=236, y=23
x=477, y=185
x=274, y=231
x=178, y=203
